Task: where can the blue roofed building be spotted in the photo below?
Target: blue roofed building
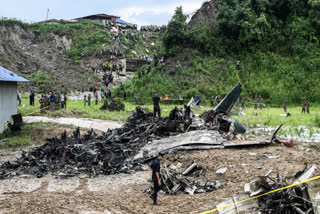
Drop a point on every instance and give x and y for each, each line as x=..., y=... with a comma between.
x=8, y=95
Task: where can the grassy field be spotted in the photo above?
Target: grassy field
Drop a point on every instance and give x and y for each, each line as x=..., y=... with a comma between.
x=32, y=134
x=266, y=117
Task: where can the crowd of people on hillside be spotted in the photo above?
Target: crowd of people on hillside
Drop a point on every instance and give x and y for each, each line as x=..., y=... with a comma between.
x=153, y=28
x=112, y=53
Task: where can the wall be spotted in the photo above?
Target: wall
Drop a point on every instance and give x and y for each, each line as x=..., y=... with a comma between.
x=8, y=102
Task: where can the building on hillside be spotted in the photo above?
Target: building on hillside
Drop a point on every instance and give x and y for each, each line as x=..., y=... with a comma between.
x=104, y=18
x=8, y=95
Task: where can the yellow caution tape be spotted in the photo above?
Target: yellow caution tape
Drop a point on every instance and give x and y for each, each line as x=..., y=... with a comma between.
x=258, y=196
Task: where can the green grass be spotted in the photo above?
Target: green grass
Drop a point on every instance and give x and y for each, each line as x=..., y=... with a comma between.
x=29, y=135
x=266, y=117
x=271, y=117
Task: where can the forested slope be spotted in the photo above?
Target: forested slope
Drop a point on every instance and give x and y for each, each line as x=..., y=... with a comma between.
x=276, y=41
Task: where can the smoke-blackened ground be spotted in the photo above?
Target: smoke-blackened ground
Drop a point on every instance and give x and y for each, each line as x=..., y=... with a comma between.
x=124, y=193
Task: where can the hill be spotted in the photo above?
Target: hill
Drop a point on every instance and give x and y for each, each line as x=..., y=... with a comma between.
x=276, y=42
x=60, y=56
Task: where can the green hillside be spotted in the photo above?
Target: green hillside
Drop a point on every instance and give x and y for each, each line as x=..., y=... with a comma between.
x=276, y=41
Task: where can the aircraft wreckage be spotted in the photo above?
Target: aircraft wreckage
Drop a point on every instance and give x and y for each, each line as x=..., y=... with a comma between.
x=125, y=149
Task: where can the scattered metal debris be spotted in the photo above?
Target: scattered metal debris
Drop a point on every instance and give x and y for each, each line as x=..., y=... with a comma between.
x=219, y=118
x=187, y=181
x=294, y=200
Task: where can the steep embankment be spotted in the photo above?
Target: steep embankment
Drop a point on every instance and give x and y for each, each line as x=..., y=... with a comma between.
x=40, y=60
x=276, y=42
x=61, y=56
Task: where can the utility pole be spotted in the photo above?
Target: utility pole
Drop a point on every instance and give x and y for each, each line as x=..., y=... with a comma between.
x=47, y=14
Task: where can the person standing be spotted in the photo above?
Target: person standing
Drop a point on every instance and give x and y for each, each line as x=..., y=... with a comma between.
x=97, y=97
x=41, y=101
x=238, y=65
x=89, y=99
x=203, y=99
x=181, y=99
x=85, y=101
x=166, y=98
x=19, y=98
x=102, y=95
x=31, y=98
x=156, y=177
x=109, y=94
x=52, y=101
x=62, y=101
x=156, y=106
x=135, y=98
x=304, y=104
x=198, y=100
x=308, y=106
x=149, y=68
x=285, y=102
x=243, y=102
x=211, y=101
x=155, y=59
x=217, y=100
x=65, y=101
x=256, y=103
x=260, y=102
x=124, y=95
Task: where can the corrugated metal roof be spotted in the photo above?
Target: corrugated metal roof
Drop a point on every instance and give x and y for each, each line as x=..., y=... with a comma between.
x=8, y=76
x=101, y=16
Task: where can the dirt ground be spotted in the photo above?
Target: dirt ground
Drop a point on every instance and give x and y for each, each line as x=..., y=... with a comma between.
x=124, y=193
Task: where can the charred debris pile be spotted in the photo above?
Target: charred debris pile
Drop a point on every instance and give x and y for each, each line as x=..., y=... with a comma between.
x=114, y=151
x=92, y=154
x=115, y=105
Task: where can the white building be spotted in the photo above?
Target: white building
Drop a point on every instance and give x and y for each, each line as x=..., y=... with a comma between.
x=8, y=95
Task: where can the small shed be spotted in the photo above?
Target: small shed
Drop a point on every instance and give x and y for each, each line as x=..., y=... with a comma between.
x=8, y=95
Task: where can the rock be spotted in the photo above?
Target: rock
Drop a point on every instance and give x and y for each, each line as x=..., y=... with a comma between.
x=221, y=171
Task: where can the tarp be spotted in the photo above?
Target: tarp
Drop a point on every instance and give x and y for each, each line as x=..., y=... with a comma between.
x=9, y=76
x=120, y=21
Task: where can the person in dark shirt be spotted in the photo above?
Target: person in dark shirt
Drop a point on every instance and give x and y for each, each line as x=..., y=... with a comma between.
x=52, y=101
x=256, y=103
x=156, y=177
x=285, y=103
x=156, y=106
x=124, y=95
x=89, y=99
x=308, y=106
x=304, y=105
x=31, y=97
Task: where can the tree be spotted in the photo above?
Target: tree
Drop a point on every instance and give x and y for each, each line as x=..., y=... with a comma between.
x=176, y=34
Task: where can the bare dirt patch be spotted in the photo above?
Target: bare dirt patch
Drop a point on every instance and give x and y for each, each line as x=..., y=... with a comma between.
x=124, y=193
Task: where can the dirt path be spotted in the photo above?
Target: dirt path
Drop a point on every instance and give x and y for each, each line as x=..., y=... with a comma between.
x=124, y=193
x=102, y=125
